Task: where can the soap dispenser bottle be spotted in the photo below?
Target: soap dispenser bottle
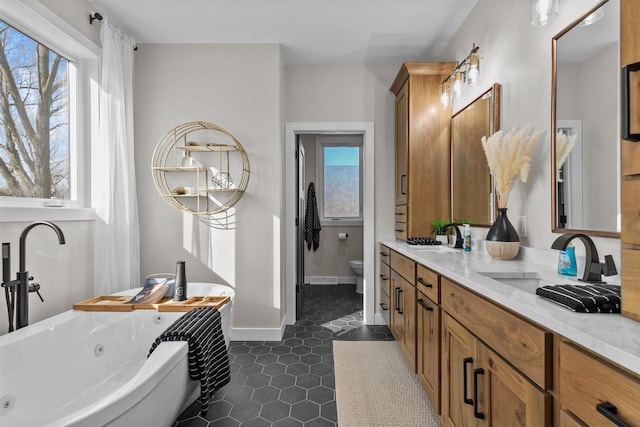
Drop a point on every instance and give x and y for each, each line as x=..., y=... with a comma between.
x=567, y=262
x=466, y=238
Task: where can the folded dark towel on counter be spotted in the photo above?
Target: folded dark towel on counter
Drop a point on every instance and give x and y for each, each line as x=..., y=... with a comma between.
x=201, y=328
x=584, y=298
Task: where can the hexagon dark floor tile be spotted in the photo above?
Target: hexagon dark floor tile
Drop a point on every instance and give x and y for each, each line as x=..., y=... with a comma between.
x=290, y=383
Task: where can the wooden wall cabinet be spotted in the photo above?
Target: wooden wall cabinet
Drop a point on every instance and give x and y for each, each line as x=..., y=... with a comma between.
x=630, y=179
x=423, y=165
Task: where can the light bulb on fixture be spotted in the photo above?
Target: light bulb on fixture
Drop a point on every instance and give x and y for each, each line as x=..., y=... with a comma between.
x=445, y=98
x=473, y=74
x=457, y=83
x=543, y=12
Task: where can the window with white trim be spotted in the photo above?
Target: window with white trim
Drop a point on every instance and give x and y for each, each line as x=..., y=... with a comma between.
x=34, y=118
x=339, y=180
x=48, y=100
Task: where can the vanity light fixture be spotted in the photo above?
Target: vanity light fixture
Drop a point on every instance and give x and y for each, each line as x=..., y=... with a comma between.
x=543, y=12
x=465, y=72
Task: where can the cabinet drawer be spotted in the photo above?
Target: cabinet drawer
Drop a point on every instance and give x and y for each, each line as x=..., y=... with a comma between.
x=428, y=282
x=402, y=213
x=384, y=254
x=403, y=266
x=385, y=301
x=401, y=230
x=385, y=278
x=586, y=382
x=525, y=346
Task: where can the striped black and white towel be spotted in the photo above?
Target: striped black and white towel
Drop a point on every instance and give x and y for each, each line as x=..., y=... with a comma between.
x=312, y=225
x=584, y=298
x=201, y=328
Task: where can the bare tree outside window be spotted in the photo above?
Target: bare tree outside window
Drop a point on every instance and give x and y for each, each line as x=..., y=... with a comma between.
x=34, y=118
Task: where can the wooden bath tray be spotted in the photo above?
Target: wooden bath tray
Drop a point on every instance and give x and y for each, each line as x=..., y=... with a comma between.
x=119, y=303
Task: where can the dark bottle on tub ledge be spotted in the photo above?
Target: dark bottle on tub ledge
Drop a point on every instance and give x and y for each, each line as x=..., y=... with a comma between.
x=180, y=290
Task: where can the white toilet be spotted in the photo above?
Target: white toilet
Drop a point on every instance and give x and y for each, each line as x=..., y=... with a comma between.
x=357, y=267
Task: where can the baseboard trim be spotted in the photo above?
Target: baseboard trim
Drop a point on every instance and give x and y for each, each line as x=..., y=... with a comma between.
x=258, y=334
x=379, y=319
x=330, y=280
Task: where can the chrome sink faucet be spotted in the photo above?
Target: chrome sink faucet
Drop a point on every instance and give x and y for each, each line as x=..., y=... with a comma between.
x=593, y=268
x=17, y=291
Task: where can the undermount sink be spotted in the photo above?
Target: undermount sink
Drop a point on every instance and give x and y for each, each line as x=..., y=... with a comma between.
x=433, y=248
x=525, y=280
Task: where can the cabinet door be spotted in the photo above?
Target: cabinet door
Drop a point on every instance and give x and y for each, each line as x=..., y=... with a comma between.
x=402, y=145
x=397, y=316
x=428, y=361
x=408, y=341
x=506, y=397
x=459, y=359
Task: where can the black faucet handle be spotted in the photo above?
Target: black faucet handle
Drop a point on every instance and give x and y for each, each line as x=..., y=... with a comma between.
x=609, y=267
x=35, y=287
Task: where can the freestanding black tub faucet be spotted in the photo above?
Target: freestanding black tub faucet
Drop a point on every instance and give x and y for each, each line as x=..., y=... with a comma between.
x=22, y=285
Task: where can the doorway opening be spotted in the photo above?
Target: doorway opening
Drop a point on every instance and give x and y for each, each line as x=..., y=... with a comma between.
x=293, y=132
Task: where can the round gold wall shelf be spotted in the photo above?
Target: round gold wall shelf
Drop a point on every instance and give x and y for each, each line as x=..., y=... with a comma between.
x=200, y=168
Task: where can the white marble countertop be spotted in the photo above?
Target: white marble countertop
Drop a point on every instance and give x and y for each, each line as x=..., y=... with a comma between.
x=612, y=336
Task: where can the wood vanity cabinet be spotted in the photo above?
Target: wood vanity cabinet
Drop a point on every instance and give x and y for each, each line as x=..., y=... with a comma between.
x=594, y=392
x=403, y=305
x=479, y=386
x=422, y=148
x=428, y=333
x=384, y=282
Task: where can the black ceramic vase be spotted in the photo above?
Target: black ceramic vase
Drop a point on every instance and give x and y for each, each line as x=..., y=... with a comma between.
x=502, y=239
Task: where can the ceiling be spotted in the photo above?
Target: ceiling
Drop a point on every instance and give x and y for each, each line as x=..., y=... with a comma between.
x=310, y=31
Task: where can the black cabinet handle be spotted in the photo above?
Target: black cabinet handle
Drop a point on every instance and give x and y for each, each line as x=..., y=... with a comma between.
x=398, y=290
x=383, y=277
x=399, y=230
x=400, y=310
x=400, y=213
x=428, y=285
x=610, y=412
x=477, y=414
x=402, y=179
x=425, y=306
x=383, y=254
x=384, y=306
x=465, y=362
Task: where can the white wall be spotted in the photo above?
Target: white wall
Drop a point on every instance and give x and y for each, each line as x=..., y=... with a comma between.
x=236, y=87
x=64, y=272
x=518, y=56
x=352, y=93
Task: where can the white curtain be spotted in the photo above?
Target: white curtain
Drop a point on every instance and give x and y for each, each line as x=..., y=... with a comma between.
x=117, y=262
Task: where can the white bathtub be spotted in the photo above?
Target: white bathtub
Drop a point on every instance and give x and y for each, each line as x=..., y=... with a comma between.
x=83, y=368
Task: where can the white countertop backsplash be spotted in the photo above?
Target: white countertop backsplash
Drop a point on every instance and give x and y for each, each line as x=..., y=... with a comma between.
x=612, y=336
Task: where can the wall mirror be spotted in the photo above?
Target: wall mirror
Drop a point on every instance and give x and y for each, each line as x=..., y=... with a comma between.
x=472, y=198
x=584, y=131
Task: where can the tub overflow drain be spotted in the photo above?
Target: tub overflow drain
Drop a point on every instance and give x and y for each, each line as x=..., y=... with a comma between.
x=158, y=319
x=98, y=350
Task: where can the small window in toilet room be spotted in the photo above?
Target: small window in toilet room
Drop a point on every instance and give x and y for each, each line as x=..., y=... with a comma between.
x=339, y=171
